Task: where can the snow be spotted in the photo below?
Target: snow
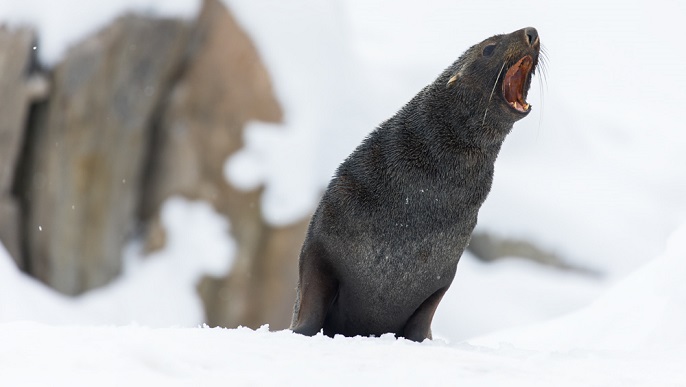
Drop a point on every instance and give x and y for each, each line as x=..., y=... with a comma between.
x=487, y=297
x=307, y=69
x=631, y=336
x=645, y=311
x=105, y=356
x=157, y=290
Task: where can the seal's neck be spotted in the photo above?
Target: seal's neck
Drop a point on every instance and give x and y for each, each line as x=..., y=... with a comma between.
x=460, y=120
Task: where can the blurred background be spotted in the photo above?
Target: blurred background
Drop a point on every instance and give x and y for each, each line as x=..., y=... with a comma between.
x=159, y=160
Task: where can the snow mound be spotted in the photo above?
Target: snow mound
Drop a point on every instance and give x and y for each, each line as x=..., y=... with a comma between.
x=488, y=297
x=646, y=311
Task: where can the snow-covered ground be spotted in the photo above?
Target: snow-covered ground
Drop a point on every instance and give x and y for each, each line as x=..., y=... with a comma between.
x=632, y=336
x=40, y=355
x=596, y=173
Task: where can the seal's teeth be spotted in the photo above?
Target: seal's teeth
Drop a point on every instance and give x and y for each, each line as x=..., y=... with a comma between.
x=522, y=107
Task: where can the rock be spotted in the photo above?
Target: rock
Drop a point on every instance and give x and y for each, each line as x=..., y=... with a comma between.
x=489, y=247
x=144, y=110
x=10, y=217
x=16, y=59
x=89, y=155
x=224, y=86
x=16, y=51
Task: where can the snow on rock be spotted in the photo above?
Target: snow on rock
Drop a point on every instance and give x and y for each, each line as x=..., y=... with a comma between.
x=286, y=161
x=644, y=312
x=154, y=290
x=24, y=298
x=304, y=45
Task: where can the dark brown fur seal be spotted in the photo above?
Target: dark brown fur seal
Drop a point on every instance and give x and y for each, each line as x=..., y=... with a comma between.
x=383, y=246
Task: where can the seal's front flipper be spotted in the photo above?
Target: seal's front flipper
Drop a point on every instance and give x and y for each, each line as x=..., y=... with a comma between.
x=418, y=327
x=316, y=292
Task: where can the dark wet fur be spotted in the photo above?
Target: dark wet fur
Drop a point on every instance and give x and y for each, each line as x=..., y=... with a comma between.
x=384, y=243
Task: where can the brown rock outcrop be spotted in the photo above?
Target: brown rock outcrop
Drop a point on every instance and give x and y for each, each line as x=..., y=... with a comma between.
x=16, y=51
x=89, y=156
x=224, y=87
x=145, y=109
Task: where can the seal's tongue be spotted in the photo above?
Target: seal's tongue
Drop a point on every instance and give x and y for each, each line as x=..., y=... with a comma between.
x=513, y=84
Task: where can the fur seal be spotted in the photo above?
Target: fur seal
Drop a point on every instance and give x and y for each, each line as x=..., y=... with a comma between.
x=383, y=245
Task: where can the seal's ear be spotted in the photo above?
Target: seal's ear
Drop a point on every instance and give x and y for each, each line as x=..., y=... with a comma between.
x=452, y=80
x=461, y=66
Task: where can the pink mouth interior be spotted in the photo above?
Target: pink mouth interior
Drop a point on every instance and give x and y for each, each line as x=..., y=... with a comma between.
x=513, y=84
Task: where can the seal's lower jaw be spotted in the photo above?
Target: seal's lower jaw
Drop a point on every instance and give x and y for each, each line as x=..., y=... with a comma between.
x=514, y=83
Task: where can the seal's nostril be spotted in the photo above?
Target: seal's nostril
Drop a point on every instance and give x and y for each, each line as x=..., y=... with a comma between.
x=531, y=35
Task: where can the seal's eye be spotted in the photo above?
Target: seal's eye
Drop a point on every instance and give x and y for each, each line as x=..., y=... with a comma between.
x=488, y=50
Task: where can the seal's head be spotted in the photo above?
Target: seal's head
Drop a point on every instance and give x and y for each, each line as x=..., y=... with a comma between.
x=495, y=75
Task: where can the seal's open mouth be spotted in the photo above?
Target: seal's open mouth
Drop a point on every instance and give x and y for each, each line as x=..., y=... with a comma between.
x=514, y=83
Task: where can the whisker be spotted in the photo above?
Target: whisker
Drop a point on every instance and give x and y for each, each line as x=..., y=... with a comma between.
x=540, y=112
x=544, y=65
x=492, y=91
x=542, y=85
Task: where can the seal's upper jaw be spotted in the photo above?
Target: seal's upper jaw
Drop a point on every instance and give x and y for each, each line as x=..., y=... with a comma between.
x=514, y=84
